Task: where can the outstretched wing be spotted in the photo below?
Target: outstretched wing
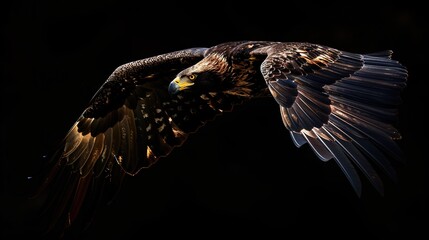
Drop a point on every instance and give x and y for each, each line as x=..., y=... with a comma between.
x=342, y=104
x=129, y=124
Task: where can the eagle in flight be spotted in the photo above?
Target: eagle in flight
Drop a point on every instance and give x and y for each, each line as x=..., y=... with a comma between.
x=343, y=104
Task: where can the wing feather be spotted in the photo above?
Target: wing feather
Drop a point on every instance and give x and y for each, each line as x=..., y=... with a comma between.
x=344, y=105
x=94, y=155
x=298, y=139
x=318, y=147
x=342, y=160
x=358, y=158
x=364, y=145
x=105, y=155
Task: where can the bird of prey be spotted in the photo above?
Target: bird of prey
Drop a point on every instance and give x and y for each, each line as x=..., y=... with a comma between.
x=344, y=105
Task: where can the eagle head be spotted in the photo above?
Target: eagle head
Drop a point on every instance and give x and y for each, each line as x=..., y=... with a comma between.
x=205, y=76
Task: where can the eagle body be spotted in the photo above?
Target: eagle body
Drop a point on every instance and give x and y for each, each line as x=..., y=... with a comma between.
x=343, y=104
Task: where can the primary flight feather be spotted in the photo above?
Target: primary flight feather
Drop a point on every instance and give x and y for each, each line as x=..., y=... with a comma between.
x=343, y=104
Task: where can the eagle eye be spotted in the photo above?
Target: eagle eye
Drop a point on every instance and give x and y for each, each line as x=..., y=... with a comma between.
x=192, y=76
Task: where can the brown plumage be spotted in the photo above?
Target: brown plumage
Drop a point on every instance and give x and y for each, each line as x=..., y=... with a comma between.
x=344, y=105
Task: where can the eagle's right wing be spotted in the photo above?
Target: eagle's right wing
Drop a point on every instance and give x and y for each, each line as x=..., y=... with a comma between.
x=344, y=105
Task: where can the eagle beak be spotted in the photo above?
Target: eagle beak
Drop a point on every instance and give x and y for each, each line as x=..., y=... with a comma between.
x=179, y=84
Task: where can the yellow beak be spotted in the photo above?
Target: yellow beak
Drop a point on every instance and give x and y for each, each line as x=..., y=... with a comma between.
x=179, y=84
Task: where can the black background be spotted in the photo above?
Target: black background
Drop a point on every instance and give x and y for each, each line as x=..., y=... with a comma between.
x=240, y=175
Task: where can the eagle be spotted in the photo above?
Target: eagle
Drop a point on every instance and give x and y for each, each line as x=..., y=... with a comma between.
x=344, y=105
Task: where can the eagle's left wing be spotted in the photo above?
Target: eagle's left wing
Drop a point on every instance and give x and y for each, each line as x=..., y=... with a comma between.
x=342, y=104
x=130, y=123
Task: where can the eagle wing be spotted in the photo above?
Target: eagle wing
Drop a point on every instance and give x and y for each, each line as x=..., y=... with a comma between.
x=129, y=124
x=344, y=105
